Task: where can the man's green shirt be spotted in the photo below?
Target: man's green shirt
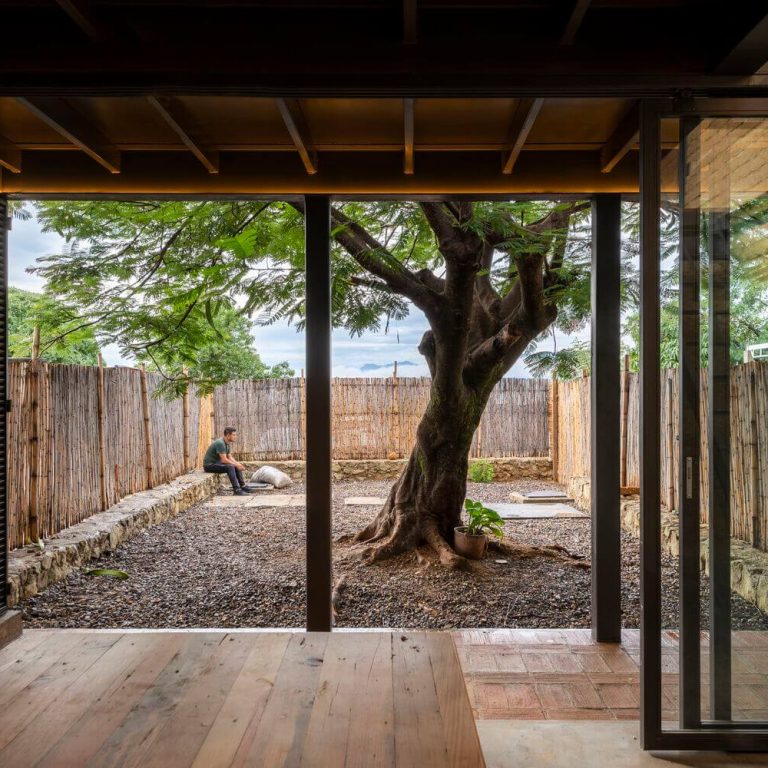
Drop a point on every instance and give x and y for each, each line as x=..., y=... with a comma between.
x=214, y=449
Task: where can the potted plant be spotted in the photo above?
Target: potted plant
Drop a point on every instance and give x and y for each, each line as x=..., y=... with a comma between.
x=471, y=540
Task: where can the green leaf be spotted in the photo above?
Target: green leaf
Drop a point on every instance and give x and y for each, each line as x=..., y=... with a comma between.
x=111, y=572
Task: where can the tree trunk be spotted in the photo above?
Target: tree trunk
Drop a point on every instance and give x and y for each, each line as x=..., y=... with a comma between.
x=424, y=505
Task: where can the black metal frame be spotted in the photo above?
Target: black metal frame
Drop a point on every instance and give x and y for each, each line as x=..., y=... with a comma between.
x=605, y=392
x=693, y=734
x=4, y=226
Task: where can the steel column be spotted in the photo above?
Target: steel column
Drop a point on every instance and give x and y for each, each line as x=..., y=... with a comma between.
x=318, y=426
x=4, y=226
x=689, y=449
x=650, y=433
x=719, y=409
x=605, y=393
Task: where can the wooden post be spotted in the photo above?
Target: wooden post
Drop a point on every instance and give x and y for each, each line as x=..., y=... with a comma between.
x=101, y=419
x=396, y=436
x=670, y=447
x=33, y=408
x=624, y=423
x=754, y=465
x=554, y=427
x=147, y=427
x=185, y=423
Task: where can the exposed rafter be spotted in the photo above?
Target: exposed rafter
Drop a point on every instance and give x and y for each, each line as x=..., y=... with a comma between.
x=10, y=155
x=624, y=137
x=750, y=54
x=578, y=12
x=410, y=22
x=293, y=117
x=173, y=112
x=81, y=14
x=525, y=116
x=60, y=116
x=408, y=136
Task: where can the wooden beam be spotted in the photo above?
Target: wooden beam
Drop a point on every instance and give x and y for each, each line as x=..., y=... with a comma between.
x=624, y=137
x=574, y=22
x=525, y=116
x=10, y=155
x=750, y=54
x=293, y=117
x=79, y=11
x=408, y=136
x=173, y=112
x=60, y=116
x=410, y=22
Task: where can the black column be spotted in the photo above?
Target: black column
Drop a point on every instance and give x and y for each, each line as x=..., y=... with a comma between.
x=4, y=226
x=605, y=418
x=318, y=427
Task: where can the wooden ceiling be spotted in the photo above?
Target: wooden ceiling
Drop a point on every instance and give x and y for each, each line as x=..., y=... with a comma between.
x=353, y=96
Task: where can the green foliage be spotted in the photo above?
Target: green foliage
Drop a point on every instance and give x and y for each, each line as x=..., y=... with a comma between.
x=230, y=357
x=481, y=519
x=566, y=363
x=150, y=275
x=480, y=471
x=61, y=341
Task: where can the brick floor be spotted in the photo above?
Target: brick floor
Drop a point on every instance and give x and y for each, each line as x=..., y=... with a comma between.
x=561, y=674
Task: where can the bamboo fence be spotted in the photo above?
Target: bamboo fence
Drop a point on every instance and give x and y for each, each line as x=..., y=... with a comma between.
x=374, y=418
x=78, y=437
x=749, y=443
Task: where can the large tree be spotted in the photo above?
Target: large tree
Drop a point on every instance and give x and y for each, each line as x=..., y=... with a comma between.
x=490, y=278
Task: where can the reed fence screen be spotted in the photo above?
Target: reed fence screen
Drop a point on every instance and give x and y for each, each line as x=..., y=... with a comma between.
x=375, y=418
x=77, y=445
x=749, y=442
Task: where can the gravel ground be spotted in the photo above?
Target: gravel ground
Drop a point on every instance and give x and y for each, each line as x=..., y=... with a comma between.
x=237, y=567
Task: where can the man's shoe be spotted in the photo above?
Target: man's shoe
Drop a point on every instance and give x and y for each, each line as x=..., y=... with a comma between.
x=239, y=492
x=246, y=489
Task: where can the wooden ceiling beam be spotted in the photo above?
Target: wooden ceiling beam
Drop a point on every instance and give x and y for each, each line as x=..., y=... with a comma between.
x=79, y=11
x=174, y=114
x=578, y=13
x=293, y=117
x=10, y=155
x=624, y=137
x=408, y=136
x=410, y=22
x=750, y=54
x=59, y=115
x=525, y=116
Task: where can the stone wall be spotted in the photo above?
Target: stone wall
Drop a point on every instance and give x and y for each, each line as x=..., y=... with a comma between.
x=504, y=470
x=31, y=569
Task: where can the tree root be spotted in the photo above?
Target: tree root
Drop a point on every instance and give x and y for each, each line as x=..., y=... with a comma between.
x=527, y=551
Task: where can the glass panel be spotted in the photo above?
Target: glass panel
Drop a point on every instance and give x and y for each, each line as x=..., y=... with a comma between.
x=726, y=181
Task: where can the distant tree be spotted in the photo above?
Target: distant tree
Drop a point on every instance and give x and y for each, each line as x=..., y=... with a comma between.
x=27, y=309
x=232, y=356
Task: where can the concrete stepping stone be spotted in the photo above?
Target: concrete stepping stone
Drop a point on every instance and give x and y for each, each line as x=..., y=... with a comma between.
x=535, y=511
x=257, y=500
x=540, y=497
x=364, y=501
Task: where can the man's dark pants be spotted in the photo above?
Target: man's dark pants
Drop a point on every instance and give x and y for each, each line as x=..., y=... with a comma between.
x=235, y=475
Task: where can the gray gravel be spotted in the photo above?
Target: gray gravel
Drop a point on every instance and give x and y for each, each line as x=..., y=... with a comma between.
x=237, y=567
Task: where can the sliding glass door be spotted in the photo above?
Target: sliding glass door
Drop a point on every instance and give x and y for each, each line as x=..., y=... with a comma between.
x=704, y=393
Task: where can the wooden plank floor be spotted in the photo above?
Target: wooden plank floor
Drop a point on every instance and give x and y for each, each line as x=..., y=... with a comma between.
x=217, y=699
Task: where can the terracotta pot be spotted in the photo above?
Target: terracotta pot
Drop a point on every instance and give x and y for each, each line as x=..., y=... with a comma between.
x=467, y=545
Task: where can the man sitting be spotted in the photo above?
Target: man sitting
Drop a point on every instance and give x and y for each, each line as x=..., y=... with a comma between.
x=218, y=459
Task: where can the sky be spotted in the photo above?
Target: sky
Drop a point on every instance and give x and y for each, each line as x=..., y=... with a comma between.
x=275, y=343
